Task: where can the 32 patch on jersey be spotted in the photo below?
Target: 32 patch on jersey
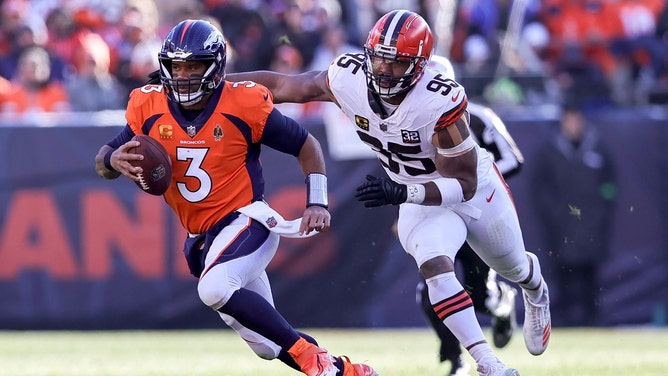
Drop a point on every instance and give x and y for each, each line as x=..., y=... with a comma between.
x=362, y=122
x=410, y=137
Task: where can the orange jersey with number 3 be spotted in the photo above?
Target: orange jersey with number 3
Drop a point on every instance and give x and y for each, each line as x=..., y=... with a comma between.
x=216, y=167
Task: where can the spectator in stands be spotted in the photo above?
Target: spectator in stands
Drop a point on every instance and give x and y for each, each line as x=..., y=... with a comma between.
x=250, y=42
x=20, y=30
x=61, y=34
x=288, y=60
x=574, y=193
x=533, y=41
x=646, y=55
x=662, y=25
x=582, y=78
x=294, y=30
x=92, y=87
x=334, y=42
x=138, y=24
x=142, y=63
x=32, y=90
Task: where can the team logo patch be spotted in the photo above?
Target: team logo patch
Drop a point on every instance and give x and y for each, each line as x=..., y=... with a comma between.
x=410, y=137
x=192, y=131
x=166, y=131
x=362, y=122
x=271, y=222
x=218, y=132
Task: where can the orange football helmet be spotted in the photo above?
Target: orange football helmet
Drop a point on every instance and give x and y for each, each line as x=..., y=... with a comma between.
x=399, y=36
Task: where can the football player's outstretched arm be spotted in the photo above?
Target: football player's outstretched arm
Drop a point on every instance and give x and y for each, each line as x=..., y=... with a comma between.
x=298, y=88
x=312, y=161
x=310, y=158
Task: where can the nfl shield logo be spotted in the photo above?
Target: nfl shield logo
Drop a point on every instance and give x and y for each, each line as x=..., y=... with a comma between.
x=271, y=222
x=191, y=130
x=383, y=127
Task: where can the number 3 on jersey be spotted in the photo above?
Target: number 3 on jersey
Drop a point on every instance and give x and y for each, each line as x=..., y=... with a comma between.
x=195, y=156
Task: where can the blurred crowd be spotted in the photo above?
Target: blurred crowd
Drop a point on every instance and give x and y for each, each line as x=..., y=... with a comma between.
x=77, y=55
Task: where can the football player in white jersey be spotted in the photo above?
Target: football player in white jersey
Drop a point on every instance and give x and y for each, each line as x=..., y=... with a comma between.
x=489, y=296
x=448, y=188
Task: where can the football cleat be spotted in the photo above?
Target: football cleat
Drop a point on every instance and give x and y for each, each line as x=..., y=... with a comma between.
x=503, y=317
x=459, y=367
x=313, y=360
x=357, y=369
x=537, y=324
x=492, y=366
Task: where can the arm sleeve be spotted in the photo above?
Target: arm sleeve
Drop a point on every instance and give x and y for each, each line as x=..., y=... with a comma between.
x=283, y=134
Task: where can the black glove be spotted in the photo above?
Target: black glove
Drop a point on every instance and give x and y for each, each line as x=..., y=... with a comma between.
x=381, y=191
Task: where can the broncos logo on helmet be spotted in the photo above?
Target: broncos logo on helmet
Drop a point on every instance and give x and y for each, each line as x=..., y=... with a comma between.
x=193, y=40
x=399, y=36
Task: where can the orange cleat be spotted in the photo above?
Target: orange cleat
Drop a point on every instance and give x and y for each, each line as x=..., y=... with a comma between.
x=313, y=360
x=357, y=369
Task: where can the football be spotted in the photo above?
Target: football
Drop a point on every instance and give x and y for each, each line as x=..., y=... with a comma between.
x=156, y=165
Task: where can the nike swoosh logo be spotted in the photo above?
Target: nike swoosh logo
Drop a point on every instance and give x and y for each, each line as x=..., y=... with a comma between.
x=488, y=199
x=454, y=99
x=266, y=96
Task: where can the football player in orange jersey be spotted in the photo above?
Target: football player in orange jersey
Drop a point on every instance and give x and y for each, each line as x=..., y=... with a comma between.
x=447, y=187
x=213, y=131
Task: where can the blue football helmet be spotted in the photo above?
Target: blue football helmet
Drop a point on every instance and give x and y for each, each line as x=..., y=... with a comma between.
x=193, y=40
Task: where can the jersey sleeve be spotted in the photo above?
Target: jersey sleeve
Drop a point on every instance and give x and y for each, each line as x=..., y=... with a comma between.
x=124, y=136
x=455, y=111
x=144, y=102
x=252, y=103
x=284, y=134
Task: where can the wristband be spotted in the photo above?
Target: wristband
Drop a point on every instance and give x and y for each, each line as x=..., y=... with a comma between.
x=316, y=190
x=107, y=160
x=451, y=191
x=415, y=193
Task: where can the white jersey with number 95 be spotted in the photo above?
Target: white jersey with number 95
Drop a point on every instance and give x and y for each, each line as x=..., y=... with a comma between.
x=402, y=140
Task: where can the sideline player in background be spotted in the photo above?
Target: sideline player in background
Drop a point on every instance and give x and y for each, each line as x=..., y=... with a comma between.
x=213, y=131
x=447, y=187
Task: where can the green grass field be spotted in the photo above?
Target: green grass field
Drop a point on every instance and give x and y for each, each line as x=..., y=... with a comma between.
x=581, y=352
